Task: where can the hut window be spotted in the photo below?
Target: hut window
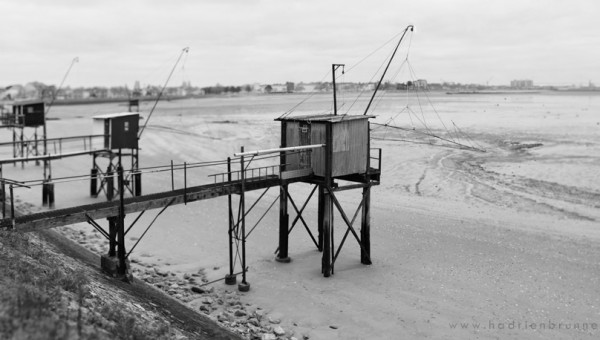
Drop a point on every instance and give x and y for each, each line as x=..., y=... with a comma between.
x=126, y=126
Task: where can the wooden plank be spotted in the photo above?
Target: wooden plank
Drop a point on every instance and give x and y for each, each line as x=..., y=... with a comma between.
x=285, y=175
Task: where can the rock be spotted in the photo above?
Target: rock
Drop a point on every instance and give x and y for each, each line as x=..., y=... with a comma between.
x=274, y=321
x=268, y=336
x=160, y=272
x=197, y=290
x=333, y=326
x=186, y=276
x=279, y=331
x=205, y=309
x=240, y=312
x=224, y=317
x=208, y=300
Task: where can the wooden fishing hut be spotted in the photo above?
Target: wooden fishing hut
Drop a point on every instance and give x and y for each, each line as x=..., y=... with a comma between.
x=120, y=140
x=28, y=114
x=345, y=156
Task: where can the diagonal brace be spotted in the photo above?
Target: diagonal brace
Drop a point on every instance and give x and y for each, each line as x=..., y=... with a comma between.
x=299, y=215
x=97, y=226
x=345, y=218
x=348, y=229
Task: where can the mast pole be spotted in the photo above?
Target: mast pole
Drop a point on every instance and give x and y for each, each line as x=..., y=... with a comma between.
x=334, y=68
x=411, y=27
x=185, y=50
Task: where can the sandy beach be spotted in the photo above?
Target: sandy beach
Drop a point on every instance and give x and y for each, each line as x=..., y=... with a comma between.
x=499, y=244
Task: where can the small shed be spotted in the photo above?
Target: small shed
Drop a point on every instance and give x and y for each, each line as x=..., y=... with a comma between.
x=29, y=113
x=120, y=130
x=346, y=139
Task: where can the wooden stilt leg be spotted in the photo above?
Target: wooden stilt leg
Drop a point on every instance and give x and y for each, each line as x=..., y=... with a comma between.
x=365, y=229
x=282, y=255
x=327, y=226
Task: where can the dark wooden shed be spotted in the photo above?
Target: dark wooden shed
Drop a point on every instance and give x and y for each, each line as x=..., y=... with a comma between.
x=120, y=130
x=29, y=113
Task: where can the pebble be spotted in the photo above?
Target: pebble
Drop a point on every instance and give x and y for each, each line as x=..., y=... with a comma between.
x=279, y=331
x=160, y=272
x=240, y=312
x=268, y=336
x=197, y=290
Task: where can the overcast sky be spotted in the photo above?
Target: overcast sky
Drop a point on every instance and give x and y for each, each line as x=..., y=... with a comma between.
x=234, y=42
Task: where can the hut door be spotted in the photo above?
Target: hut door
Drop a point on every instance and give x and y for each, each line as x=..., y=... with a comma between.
x=304, y=140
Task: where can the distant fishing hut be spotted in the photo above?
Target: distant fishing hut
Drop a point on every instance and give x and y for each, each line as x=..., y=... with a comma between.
x=120, y=140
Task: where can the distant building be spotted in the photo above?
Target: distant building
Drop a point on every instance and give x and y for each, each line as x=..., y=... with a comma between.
x=521, y=84
x=420, y=84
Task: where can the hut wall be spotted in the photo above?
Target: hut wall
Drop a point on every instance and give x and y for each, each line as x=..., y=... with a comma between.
x=350, y=143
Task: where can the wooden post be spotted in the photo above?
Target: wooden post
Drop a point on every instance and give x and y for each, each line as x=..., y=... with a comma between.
x=12, y=205
x=327, y=204
x=49, y=189
x=121, y=224
x=94, y=182
x=137, y=183
x=3, y=198
x=284, y=217
x=110, y=189
x=365, y=229
x=112, y=233
x=321, y=207
x=326, y=235
x=44, y=194
x=36, y=153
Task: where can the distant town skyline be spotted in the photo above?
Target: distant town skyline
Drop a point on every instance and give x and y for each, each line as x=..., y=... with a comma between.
x=268, y=41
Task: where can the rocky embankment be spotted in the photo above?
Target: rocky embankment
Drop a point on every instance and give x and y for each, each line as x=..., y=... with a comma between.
x=221, y=305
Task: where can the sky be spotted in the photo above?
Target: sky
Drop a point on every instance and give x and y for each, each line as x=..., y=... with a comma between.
x=236, y=42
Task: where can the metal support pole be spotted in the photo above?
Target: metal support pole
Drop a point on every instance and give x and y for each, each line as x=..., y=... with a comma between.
x=230, y=278
x=172, y=179
x=244, y=286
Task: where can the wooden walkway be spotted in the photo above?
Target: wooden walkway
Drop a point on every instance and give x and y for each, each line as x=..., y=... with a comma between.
x=62, y=217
